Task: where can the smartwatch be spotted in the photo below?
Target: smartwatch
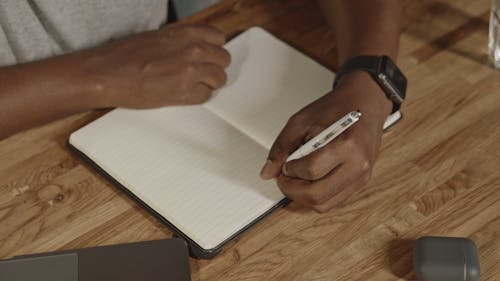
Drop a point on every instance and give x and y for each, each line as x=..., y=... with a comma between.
x=384, y=71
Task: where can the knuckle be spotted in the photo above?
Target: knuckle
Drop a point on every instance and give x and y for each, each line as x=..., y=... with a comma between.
x=363, y=161
x=365, y=165
x=349, y=143
x=147, y=67
x=194, y=50
x=188, y=71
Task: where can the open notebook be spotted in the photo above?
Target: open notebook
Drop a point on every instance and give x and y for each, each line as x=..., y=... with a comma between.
x=197, y=167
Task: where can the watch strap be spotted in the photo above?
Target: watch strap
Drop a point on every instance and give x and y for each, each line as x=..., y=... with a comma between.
x=370, y=64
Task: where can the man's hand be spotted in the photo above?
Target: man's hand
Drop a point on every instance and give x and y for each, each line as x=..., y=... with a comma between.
x=329, y=175
x=178, y=64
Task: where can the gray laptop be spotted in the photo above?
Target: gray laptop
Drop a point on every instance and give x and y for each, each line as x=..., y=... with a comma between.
x=160, y=260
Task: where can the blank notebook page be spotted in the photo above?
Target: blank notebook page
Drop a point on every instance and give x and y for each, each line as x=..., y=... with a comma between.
x=190, y=166
x=268, y=81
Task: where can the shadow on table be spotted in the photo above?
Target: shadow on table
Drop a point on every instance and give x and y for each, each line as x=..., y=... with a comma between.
x=400, y=258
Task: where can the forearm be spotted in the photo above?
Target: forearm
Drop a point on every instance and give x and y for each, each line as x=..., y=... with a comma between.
x=364, y=27
x=36, y=93
x=327, y=177
x=175, y=65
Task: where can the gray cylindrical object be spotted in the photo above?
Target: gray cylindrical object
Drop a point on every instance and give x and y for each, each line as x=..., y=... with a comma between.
x=445, y=259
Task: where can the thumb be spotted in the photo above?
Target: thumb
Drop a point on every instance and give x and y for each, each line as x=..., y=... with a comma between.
x=289, y=139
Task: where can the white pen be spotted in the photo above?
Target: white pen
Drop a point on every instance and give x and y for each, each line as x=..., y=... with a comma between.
x=326, y=136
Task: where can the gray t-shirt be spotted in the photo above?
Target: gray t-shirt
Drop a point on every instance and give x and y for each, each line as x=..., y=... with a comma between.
x=36, y=29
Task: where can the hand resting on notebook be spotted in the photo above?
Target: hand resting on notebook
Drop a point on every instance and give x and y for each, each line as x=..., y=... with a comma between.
x=175, y=65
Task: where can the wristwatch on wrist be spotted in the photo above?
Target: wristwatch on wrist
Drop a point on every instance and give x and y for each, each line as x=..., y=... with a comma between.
x=384, y=71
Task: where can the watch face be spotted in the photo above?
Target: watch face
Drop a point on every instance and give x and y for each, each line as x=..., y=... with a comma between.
x=394, y=76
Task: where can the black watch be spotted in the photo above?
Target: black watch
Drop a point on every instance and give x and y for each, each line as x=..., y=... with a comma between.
x=384, y=71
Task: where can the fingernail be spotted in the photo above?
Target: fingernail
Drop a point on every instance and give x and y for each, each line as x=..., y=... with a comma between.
x=264, y=173
x=284, y=171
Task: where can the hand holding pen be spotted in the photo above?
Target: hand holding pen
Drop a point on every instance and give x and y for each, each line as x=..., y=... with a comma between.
x=329, y=175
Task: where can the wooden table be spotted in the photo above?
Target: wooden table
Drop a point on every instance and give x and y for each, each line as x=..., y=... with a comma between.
x=438, y=172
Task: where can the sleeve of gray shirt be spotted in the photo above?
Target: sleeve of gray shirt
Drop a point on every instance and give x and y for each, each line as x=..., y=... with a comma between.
x=37, y=29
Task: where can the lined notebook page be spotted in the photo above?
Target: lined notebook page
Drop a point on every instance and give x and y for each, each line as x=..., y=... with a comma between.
x=199, y=166
x=190, y=166
x=268, y=81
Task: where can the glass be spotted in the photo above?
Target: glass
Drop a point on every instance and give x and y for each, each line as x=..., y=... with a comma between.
x=494, y=43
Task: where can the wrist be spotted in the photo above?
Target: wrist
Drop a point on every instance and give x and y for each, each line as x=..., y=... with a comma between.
x=68, y=78
x=91, y=87
x=362, y=83
x=64, y=79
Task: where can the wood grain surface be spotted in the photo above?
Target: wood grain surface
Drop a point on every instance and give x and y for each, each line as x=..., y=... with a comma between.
x=438, y=172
